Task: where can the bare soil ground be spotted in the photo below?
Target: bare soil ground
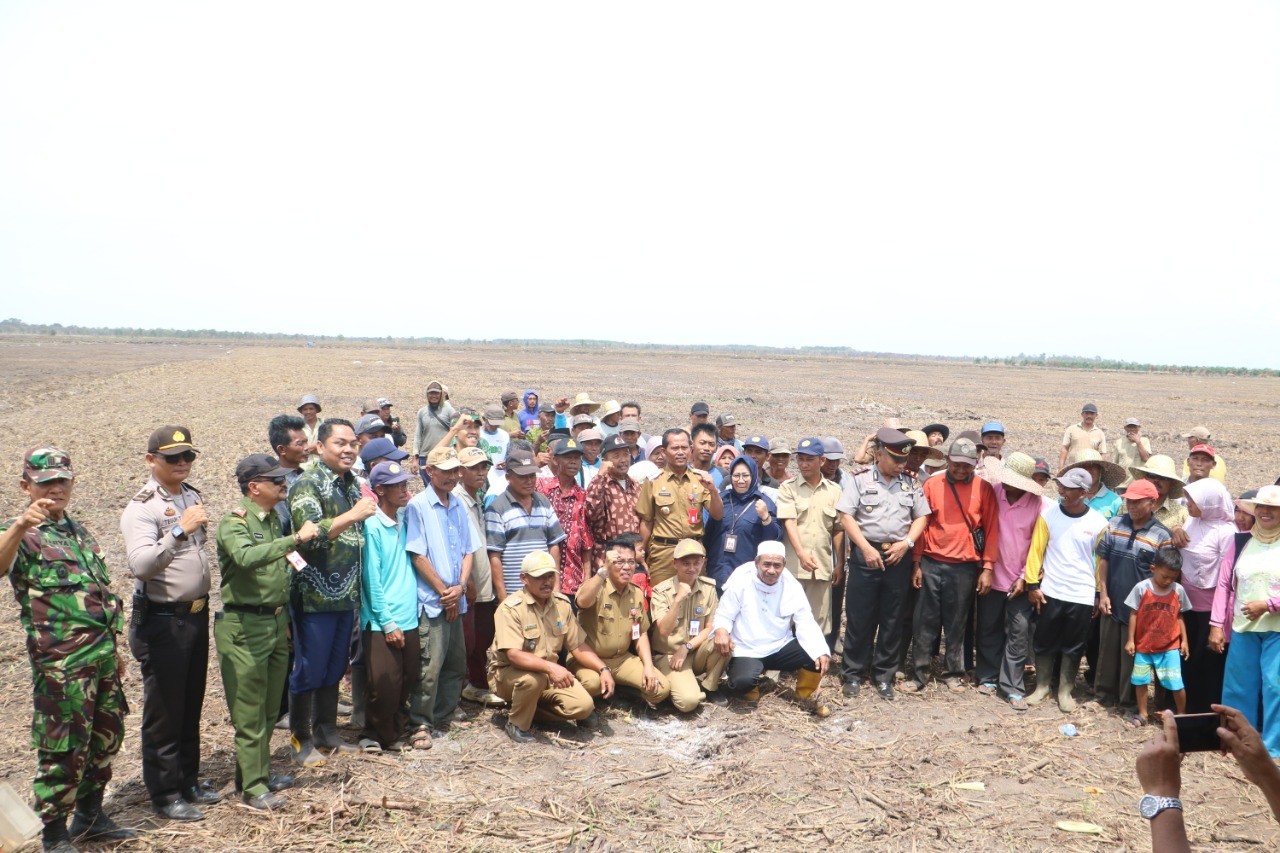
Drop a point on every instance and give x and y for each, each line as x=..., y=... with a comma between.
x=873, y=775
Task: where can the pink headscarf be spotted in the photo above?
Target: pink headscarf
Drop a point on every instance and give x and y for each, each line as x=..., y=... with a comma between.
x=1212, y=535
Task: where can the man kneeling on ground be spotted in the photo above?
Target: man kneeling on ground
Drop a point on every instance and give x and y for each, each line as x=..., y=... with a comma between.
x=761, y=607
x=530, y=630
x=682, y=610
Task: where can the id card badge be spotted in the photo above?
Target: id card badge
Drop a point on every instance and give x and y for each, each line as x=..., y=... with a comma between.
x=694, y=515
x=295, y=560
x=635, y=630
x=695, y=627
x=731, y=543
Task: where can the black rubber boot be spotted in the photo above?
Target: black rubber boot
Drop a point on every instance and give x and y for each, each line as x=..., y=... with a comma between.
x=326, y=733
x=301, y=749
x=91, y=823
x=55, y=838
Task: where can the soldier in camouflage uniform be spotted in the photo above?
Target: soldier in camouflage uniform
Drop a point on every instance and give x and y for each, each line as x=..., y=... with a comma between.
x=72, y=620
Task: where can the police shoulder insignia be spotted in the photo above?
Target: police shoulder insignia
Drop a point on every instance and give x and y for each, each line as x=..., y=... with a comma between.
x=144, y=495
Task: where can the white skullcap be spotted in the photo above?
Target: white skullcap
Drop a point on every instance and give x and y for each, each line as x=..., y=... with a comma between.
x=771, y=548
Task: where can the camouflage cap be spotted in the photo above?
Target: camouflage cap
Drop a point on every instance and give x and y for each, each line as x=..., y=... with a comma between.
x=42, y=464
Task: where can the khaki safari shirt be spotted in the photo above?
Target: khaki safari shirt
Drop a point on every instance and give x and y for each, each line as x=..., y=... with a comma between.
x=607, y=623
x=1077, y=438
x=665, y=502
x=814, y=511
x=699, y=606
x=545, y=630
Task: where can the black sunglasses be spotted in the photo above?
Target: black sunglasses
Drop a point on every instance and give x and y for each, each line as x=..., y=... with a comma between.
x=187, y=456
x=279, y=481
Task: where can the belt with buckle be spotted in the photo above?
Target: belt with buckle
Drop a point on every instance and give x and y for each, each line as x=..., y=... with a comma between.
x=259, y=609
x=177, y=608
x=667, y=540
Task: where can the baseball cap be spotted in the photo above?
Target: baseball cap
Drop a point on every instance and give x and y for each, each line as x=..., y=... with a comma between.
x=1075, y=478
x=1200, y=432
x=444, y=458
x=1205, y=449
x=1089, y=407
x=1042, y=467
x=547, y=408
x=699, y=409
x=686, y=547
x=582, y=418
x=726, y=420
x=779, y=447
x=369, y=406
x=1137, y=490
x=895, y=441
x=42, y=464
x=469, y=457
x=384, y=402
x=382, y=448
x=537, y=563
x=963, y=450
x=520, y=462
x=494, y=415
x=832, y=448
x=628, y=425
x=757, y=441
x=614, y=442
x=311, y=400
x=509, y=397
x=566, y=446
x=256, y=466
x=169, y=440
x=809, y=447
x=590, y=435
x=1132, y=422
x=369, y=423
x=387, y=474
x=993, y=426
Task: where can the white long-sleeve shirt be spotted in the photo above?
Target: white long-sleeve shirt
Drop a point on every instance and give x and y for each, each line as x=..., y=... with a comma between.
x=761, y=619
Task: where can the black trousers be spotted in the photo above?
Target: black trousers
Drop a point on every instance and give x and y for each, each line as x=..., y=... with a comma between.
x=1062, y=628
x=745, y=672
x=874, y=603
x=1203, y=671
x=173, y=652
x=945, y=602
x=837, y=607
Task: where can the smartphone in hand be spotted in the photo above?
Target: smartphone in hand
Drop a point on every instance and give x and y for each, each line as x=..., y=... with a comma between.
x=1198, y=732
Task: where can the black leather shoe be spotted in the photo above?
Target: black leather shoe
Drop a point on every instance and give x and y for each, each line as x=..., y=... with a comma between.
x=265, y=802
x=519, y=735
x=279, y=782
x=717, y=697
x=885, y=689
x=179, y=810
x=201, y=795
x=851, y=689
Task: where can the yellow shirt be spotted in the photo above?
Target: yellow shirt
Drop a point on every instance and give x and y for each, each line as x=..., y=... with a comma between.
x=607, y=623
x=1218, y=473
x=544, y=630
x=665, y=502
x=699, y=606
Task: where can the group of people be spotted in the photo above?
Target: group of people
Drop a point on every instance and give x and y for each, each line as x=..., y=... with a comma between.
x=538, y=557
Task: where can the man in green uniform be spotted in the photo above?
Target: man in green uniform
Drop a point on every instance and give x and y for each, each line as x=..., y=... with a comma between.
x=252, y=630
x=72, y=620
x=670, y=506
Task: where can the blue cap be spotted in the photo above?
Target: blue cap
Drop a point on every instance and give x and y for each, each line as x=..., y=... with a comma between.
x=809, y=447
x=387, y=474
x=993, y=426
x=382, y=448
x=757, y=441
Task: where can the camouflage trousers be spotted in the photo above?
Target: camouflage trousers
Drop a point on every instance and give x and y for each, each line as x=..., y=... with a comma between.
x=76, y=730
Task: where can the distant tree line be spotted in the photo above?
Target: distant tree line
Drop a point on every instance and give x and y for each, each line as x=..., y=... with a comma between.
x=1076, y=362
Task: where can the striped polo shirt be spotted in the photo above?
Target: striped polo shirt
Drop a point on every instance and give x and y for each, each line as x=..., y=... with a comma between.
x=514, y=533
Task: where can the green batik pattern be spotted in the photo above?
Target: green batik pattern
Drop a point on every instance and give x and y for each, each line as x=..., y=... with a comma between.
x=331, y=580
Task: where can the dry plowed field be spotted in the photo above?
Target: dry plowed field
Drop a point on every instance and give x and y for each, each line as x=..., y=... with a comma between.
x=871, y=776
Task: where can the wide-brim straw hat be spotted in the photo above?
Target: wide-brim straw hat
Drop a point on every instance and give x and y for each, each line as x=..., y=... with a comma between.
x=922, y=440
x=1016, y=470
x=1267, y=496
x=1112, y=474
x=584, y=399
x=1159, y=465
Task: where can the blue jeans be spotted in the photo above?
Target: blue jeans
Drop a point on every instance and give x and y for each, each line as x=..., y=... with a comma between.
x=1252, y=683
x=321, y=644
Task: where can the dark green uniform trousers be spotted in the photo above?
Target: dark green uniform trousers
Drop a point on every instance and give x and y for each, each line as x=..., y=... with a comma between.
x=253, y=650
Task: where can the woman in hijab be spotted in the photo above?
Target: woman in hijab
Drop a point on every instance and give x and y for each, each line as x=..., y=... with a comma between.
x=529, y=414
x=750, y=517
x=723, y=458
x=1211, y=534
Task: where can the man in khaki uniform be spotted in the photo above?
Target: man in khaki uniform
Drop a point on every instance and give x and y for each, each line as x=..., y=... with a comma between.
x=670, y=506
x=530, y=630
x=682, y=609
x=611, y=611
x=807, y=510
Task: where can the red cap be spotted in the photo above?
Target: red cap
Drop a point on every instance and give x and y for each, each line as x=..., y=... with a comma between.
x=1205, y=449
x=1140, y=489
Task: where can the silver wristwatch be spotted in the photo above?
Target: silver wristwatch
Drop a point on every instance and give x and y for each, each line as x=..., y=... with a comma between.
x=1150, y=805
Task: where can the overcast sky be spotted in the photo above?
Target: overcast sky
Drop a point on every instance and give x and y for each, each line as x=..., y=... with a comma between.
x=946, y=178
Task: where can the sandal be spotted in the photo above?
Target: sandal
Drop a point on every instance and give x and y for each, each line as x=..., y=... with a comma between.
x=421, y=738
x=370, y=746
x=1017, y=703
x=955, y=685
x=987, y=688
x=1134, y=721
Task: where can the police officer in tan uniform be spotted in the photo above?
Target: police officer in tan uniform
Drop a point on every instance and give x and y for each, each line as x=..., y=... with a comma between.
x=530, y=630
x=670, y=506
x=682, y=609
x=807, y=510
x=612, y=613
x=164, y=540
x=882, y=512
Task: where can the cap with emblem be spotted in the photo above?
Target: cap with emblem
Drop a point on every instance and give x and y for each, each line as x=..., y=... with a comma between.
x=832, y=447
x=895, y=441
x=1089, y=408
x=258, y=466
x=583, y=418
x=687, y=547
x=443, y=459
x=779, y=447
x=385, y=403
x=470, y=457
x=993, y=426
x=520, y=462
x=566, y=446
x=963, y=450
x=699, y=409
x=590, y=435
x=169, y=440
x=381, y=448
x=310, y=400
x=614, y=442
x=726, y=420
x=757, y=441
x=509, y=397
x=1075, y=478
x=558, y=432
x=537, y=563
x=1042, y=467
x=42, y=464
x=809, y=447
x=387, y=474
x=369, y=423
x=628, y=425
x=1200, y=432
x=493, y=415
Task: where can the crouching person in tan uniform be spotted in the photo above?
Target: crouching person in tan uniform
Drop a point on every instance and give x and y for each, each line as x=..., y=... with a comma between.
x=613, y=617
x=531, y=628
x=682, y=609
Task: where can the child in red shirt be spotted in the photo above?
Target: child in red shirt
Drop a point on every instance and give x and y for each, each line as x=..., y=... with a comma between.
x=1157, y=631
